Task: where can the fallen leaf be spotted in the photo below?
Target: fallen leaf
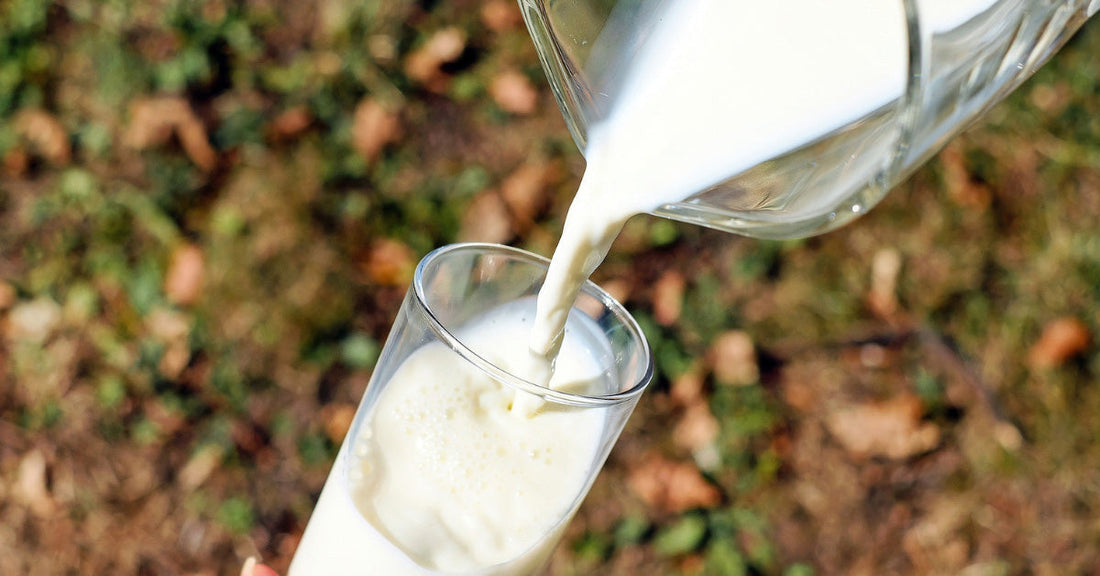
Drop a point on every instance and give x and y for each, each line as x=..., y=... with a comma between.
x=424, y=65
x=668, y=297
x=45, y=133
x=883, y=296
x=183, y=282
x=1062, y=339
x=154, y=120
x=31, y=487
x=687, y=388
x=500, y=15
x=373, y=127
x=523, y=191
x=390, y=263
x=486, y=219
x=514, y=93
x=697, y=427
x=34, y=321
x=200, y=466
x=672, y=486
x=891, y=429
x=957, y=180
x=336, y=419
x=799, y=395
x=8, y=296
x=16, y=162
x=290, y=123
x=733, y=358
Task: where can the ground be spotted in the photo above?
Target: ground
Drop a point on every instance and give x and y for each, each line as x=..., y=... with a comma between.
x=209, y=213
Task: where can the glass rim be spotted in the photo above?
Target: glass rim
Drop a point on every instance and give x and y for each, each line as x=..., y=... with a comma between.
x=504, y=376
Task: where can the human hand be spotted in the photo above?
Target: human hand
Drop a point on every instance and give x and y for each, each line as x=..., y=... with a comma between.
x=251, y=568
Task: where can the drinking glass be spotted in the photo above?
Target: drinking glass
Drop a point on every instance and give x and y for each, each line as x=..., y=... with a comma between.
x=457, y=287
x=954, y=60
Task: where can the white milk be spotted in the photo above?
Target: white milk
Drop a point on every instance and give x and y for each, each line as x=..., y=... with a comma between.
x=718, y=87
x=445, y=474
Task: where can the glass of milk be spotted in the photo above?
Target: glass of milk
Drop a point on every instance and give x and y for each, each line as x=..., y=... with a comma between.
x=780, y=119
x=439, y=472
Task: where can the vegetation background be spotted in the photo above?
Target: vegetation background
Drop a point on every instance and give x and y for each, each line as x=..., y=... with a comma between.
x=210, y=210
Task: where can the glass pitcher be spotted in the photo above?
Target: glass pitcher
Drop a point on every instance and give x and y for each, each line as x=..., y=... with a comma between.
x=806, y=112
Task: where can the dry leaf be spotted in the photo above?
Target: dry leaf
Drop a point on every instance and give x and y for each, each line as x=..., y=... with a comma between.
x=201, y=465
x=45, y=133
x=500, y=15
x=687, y=388
x=16, y=162
x=424, y=65
x=183, y=282
x=486, y=220
x=1062, y=339
x=514, y=93
x=733, y=358
x=697, y=428
x=883, y=297
x=668, y=298
x=523, y=191
x=672, y=486
x=8, y=296
x=31, y=487
x=373, y=127
x=336, y=419
x=34, y=321
x=962, y=188
x=799, y=395
x=153, y=121
x=290, y=123
x=173, y=329
x=891, y=429
x=390, y=263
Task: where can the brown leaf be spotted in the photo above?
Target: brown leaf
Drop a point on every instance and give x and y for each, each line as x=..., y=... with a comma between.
x=390, y=263
x=957, y=180
x=173, y=329
x=514, y=93
x=45, y=133
x=883, y=297
x=500, y=15
x=153, y=121
x=16, y=162
x=31, y=487
x=336, y=419
x=486, y=220
x=687, y=388
x=733, y=358
x=34, y=321
x=290, y=123
x=201, y=465
x=891, y=429
x=183, y=282
x=697, y=428
x=8, y=296
x=424, y=65
x=1062, y=339
x=373, y=127
x=523, y=191
x=668, y=297
x=672, y=486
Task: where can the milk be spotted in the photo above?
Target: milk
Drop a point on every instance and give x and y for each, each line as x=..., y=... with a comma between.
x=721, y=86
x=444, y=477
